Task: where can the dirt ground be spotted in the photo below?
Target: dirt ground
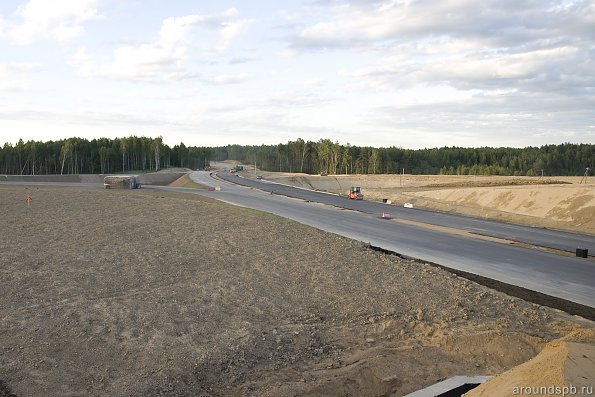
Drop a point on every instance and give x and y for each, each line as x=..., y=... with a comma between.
x=185, y=181
x=555, y=202
x=147, y=293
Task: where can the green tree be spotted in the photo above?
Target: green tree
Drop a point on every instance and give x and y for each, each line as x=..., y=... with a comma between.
x=345, y=158
x=373, y=160
x=65, y=152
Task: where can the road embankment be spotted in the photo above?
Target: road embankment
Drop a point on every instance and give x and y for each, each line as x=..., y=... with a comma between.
x=156, y=178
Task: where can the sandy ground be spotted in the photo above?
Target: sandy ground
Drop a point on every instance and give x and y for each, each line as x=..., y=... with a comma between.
x=185, y=181
x=554, y=202
x=146, y=293
x=563, y=367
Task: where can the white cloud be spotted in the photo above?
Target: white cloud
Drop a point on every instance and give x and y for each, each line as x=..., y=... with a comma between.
x=288, y=53
x=526, y=45
x=230, y=30
x=502, y=119
x=17, y=68
x=242, y=59
x=225, y=79
x=165, y=57
x=174, y=30
x=360, y=22
x=289, y=15
x=478, y=70
x=56, y=20
x=12, y=86
x=11, y=79
x=492, y=23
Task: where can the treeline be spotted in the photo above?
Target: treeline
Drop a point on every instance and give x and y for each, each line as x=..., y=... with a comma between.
x=77, y=155
x=81, y=156
x=330, y=157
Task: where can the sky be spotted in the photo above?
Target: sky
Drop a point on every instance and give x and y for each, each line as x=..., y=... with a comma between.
x=405, y=73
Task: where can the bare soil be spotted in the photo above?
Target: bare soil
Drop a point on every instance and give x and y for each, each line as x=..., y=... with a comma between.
x=563, y=364
x=147, y=293
x=185, y=181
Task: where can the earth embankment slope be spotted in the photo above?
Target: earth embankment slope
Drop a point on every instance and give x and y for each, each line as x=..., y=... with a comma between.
x=563, y=366
x=556, y=202
x=153, y=293
x=164, y=177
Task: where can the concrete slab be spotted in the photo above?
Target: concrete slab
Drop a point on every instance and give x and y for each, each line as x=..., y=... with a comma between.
x=447, y=385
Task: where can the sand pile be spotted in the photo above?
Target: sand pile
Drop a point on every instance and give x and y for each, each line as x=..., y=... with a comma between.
x=185, y=181
x=564, y=367
x=563, y=203
x=559, y=206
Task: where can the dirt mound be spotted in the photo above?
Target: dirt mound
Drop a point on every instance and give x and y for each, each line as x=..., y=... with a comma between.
x=429, y=353
x=175, y=170
x=160, y=178
x=499, y=182
x=569, y=206
x=185, y=181
x=561, y=365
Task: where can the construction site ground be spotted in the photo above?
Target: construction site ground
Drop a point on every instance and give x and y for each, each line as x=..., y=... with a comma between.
x=149, y=293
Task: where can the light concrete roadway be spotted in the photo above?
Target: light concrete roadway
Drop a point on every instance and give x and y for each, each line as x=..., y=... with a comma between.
x=564, y=277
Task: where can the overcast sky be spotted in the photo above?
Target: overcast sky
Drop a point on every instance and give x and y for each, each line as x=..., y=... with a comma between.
x=404, y=73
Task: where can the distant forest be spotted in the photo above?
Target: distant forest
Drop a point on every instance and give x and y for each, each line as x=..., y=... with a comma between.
x=135, y=154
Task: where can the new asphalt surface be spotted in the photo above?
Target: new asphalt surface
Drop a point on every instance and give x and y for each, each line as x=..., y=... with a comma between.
x=541, y=237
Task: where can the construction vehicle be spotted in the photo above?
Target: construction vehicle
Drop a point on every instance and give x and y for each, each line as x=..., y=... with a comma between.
x=355, y=193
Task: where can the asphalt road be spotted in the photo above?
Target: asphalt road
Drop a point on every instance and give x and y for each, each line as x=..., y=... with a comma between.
x=541, y=237
x=564, y=277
